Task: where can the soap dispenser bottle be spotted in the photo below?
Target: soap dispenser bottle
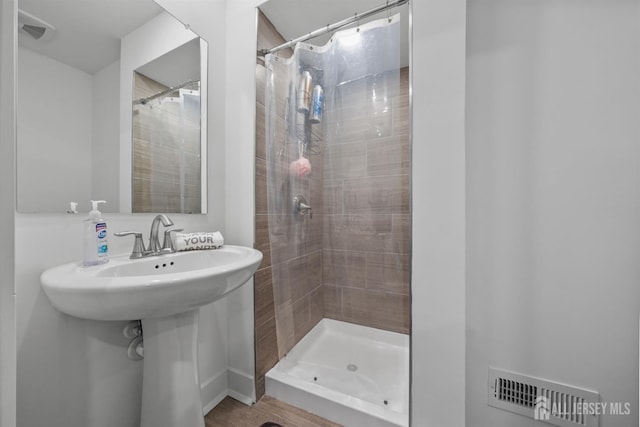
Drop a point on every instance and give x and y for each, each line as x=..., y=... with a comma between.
x=95, y=237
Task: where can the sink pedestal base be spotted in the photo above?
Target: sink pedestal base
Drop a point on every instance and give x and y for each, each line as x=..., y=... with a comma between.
x=170, y=384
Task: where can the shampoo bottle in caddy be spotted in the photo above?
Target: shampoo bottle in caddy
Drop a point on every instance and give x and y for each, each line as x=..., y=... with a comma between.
x=95, y=237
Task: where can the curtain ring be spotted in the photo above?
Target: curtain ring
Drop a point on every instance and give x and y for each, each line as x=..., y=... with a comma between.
x=388, y=12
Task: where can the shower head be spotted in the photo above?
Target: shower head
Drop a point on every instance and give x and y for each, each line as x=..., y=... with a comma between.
x=34, y=27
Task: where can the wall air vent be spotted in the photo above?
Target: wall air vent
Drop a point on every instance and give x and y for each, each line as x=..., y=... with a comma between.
x=546, y=401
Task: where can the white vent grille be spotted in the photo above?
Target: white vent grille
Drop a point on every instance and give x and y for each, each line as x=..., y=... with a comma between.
x=569, y=406
x=516, y=392
x=543, y=400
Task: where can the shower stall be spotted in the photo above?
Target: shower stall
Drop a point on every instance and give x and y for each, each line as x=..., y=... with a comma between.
x=333, y=220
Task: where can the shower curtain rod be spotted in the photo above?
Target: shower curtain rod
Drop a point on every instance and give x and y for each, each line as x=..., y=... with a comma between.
x=334, y=26
x=143, y=101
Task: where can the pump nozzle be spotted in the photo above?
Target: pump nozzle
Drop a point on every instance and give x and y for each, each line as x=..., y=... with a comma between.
x=73, y=208
x=94, y=204
x=95, y=213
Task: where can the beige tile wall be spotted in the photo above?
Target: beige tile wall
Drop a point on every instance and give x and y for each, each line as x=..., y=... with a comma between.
x=366, y=237
x=351, y=261
x=292, y=246
x=266, y=339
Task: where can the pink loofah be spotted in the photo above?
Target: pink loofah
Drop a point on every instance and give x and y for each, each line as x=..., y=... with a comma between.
x=300, y=167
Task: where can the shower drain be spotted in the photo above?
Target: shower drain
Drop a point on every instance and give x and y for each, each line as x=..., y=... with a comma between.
x=352, y=367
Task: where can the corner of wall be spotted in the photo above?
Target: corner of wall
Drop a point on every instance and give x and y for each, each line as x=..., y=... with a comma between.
x=438, y=212
x=240, y=101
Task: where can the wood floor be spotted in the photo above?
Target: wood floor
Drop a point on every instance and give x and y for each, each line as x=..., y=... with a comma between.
x=231, y=413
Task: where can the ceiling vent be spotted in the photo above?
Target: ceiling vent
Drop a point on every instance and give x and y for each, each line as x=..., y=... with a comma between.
x=546, y=401
x=34, y=27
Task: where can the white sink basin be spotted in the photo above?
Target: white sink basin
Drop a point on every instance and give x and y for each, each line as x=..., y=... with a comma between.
x=125, y=289
x=165, y=293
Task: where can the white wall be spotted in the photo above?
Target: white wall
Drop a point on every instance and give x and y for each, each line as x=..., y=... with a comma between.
x=105, y=136
x=553, y=198
x=75, y=373
x=438, y=191
x=54, y=120
x=240, y=97
x=7, y=193
x=552, y=211
x=438, y=211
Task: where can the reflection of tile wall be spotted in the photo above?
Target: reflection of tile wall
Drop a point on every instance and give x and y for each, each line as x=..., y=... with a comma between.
x=166, y=155
x=366, y=237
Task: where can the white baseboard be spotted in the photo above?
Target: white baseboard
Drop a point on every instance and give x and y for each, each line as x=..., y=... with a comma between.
x=212, y=391
x=231, y=383
x=241, y=386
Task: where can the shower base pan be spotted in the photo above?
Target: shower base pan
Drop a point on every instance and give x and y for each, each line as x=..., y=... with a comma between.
x=350, y=374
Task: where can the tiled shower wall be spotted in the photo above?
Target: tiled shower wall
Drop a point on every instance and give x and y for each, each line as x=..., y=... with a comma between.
x=296, y=260
x=266, y=341
x=366, y=237
x=351, y=260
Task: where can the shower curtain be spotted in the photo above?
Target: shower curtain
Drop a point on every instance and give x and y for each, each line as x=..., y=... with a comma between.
x=347, y=158
x=166, y=154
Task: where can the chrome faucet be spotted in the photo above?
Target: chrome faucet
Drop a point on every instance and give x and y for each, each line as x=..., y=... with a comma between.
x=139, y=251
x=154, y=240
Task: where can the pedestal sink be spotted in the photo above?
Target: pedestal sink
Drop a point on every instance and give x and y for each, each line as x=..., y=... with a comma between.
x=164, y=292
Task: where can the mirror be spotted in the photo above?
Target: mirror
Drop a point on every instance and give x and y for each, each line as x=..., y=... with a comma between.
x=76, y=110
x=166, y=145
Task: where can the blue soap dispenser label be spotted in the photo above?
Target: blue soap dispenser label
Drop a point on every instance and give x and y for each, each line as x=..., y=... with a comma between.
x=101, y=233
x=101, y=230
x=96, y=250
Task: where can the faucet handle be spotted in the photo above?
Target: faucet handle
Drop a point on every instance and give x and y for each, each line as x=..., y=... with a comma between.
x=138, y=245
x=167, y=243
x=300, y=206
x=304, y=209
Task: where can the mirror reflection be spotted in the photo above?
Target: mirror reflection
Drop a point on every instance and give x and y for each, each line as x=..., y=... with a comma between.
x=75, y=106
x=166, y=133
